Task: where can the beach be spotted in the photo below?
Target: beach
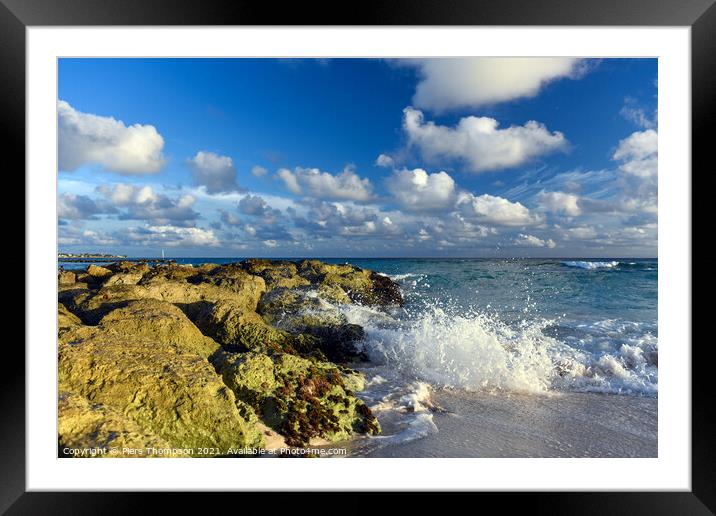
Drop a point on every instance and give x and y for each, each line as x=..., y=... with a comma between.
x=483, y=425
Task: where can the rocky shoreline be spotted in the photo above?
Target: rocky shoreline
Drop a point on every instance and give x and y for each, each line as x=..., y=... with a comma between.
x=209, y=359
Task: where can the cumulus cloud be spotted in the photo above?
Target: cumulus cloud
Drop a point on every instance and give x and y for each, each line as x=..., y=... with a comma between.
x=448, y=84
x=258, y=171
x=416, y=190
x=495, y=210
x=72, y=235
x=76, y=207
x=311, y=182
x=172, y=236
x=229, y=218
x=257, y=206
x=143, y=203
x=578, y=233
x=84, y=138
x=638, y=154
x=331, y=219
x=479, y=143
x=638, y=167
x=560, y=202
x=216, y=173
x=384, y=160
x=523, y=240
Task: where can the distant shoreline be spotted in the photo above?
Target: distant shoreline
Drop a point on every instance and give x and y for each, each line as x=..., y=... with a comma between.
x=111, y=259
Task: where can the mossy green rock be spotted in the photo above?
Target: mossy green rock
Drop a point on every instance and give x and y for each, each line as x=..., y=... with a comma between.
x=124, y=278
x=82, y=424
x=192, y=298
x=66, y=277
x=300, y=398
x=159, y=322
x=302, y=311
x=360, y=285
x=98, y=272
x=276, y=273
x=66, y=319
x=169, y=392
x=239, y=329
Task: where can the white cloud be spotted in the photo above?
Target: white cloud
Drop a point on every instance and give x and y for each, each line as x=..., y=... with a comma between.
x=75, y=207
x=560, y=202
x=384, y=161
x=578, y=233
x=638, y=154
x=496, y=210
x=478, y=141
x=416, y=190
x=216, y=173
x=258, y=171
x=637, y=115
x=451, y=83
x=171, y=236
x=533, y=241
x=84, y=138
x=143, y=203
x=270, y=243
x=312, y=182
x=290, y=180
x=229, y=218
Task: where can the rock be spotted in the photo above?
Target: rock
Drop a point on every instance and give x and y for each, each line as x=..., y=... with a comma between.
x=171, y=272
x=169, y=392
x=90, y=281
x=238, y=329
x=149, y=355
x=233, y=278
x=192, y=298
x=299, y=398
x=84, y=425
x=66, y=319
x=124, y=278
x=161, y=323
x=72, y=296
x=276, y=273
x=126, y=266
x=98, y=272
x=301, y=311
x=360, y=285
x=66, y=277
x=383, y=291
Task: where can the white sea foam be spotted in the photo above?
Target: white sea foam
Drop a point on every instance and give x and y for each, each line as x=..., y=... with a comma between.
x=475, y=351
x=592, y=265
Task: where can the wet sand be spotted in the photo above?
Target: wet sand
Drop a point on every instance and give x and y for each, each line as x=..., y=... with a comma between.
x=555, y=425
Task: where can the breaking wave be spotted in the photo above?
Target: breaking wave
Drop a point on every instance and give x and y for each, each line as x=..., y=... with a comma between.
x=593, y=265
x=476, y=351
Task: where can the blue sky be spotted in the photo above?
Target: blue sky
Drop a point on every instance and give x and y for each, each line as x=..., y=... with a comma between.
x=358, y=157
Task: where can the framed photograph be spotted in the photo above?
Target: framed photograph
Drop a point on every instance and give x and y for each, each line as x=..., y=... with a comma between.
x=426, y=248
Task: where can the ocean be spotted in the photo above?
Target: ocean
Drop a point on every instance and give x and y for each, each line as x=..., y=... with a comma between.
x=496, y=357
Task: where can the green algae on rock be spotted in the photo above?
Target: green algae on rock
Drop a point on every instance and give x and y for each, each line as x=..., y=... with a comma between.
x=84, y=425
x=173, y=394
x=300, y=398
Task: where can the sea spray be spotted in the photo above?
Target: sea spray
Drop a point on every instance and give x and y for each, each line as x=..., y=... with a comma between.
x=473, y=350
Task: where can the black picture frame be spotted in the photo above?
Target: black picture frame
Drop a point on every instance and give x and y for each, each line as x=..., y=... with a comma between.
x=700, y=15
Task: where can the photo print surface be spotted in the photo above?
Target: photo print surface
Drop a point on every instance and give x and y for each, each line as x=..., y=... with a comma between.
x=353, y=257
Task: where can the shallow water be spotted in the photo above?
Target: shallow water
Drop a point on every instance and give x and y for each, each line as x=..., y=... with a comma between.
x=475, y=424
